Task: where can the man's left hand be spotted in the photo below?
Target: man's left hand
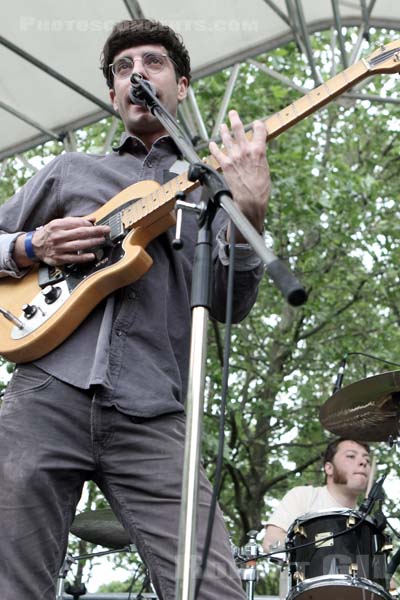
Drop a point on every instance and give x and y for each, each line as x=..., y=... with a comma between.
x=245, y=167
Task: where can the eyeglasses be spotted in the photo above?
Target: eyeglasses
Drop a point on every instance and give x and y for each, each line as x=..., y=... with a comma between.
x=153, y=62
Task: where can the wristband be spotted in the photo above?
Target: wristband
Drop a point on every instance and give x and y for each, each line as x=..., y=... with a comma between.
x=29, y=251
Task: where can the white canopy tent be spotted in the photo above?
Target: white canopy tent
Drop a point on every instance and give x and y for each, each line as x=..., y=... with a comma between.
x=49, y=49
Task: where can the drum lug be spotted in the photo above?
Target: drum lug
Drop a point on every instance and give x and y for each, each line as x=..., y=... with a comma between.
x=353, y=569
x=299, y=530
x=388, y=547
x=351, y=521
x=298, y=576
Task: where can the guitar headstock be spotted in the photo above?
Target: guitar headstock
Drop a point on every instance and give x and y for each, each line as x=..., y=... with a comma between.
x=386, y=59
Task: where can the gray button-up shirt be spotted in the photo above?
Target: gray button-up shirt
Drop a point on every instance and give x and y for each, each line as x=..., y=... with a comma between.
x=134, y=346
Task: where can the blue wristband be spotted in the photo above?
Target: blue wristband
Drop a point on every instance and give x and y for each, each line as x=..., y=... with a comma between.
x=29, y=251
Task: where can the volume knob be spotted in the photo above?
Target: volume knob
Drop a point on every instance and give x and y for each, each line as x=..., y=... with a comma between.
x=29, y=310
x=51, y=293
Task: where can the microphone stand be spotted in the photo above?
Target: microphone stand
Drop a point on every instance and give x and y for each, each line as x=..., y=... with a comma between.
x=143, y=93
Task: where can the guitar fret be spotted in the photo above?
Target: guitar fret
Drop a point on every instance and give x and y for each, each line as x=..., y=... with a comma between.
x=174, y=187
x=155, y=197
x=168, y=192
x=132, y=213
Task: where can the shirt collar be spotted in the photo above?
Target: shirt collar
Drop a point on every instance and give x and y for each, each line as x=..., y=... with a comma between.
x=130, y=142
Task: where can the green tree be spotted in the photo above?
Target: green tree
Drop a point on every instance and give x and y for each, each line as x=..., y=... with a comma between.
x=333, y=216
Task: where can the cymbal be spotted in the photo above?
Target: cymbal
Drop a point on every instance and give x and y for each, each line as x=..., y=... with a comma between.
x=100, y=527
x=367, y=410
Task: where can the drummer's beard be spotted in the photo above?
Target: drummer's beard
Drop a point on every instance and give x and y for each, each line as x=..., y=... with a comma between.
x=338, y=476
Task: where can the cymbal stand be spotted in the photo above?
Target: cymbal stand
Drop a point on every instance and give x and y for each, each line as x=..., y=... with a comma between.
x=70, y=560
x=63, y=572
x=248, y=573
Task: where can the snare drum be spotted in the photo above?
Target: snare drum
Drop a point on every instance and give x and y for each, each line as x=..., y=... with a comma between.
x=351, y=566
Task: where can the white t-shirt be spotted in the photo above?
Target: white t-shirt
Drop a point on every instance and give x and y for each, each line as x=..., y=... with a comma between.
x=296, y=503
x=299, y=501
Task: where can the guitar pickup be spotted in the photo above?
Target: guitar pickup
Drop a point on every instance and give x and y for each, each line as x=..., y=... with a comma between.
x=117, y=230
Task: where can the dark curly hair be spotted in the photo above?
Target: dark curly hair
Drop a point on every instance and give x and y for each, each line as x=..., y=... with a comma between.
x=144, y=31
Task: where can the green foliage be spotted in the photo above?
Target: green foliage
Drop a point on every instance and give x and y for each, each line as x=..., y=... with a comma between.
x=114, y=587
x=333, y=215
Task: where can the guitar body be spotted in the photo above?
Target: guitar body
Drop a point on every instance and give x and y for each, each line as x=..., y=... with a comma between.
x=79, y=288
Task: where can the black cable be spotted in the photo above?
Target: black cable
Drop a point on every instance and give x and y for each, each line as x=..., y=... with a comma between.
x=396, y=533
x=377, y=358
x=224, y=394
x=343, y=363
x=146, y=581
x=393, y=563
x=134, y=575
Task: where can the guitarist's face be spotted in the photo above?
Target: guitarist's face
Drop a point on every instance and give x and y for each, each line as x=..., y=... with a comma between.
x=137, y=119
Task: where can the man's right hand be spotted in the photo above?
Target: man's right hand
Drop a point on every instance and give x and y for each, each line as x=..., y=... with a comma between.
x=62, y=241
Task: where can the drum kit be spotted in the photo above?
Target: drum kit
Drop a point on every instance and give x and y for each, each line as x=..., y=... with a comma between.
x=342, y=554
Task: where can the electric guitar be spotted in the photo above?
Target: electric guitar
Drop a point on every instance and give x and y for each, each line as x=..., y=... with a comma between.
x=39, y=311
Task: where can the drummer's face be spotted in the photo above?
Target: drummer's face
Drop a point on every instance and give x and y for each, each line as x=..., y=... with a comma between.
x=350, y=466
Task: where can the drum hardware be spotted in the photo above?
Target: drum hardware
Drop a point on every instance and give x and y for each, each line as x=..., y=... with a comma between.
x=69, y=560
x=324, y=538
x=247, y=556
x=100, y=527
x=300, y=531
x=62, y=575
x=388, y=547
x=353, y=567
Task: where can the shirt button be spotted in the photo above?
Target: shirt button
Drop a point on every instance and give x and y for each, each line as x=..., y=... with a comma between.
x=150, y=164
x=132, y=295
x=119, y=332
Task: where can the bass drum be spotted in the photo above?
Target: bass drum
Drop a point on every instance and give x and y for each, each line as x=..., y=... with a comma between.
x=351, y=566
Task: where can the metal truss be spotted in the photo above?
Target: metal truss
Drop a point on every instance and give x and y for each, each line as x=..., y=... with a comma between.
x=295, y=19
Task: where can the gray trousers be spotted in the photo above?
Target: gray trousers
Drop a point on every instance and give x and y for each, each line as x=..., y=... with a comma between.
x=54, y=437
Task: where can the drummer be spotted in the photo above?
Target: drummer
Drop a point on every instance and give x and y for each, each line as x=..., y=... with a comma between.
x=347, y=467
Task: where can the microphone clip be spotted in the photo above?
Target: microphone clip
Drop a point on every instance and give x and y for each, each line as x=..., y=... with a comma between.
x=376, y=494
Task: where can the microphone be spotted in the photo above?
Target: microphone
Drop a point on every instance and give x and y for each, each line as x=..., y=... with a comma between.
x=137, y=94
x=376, y=494
x=339, y=378
x=284, y=279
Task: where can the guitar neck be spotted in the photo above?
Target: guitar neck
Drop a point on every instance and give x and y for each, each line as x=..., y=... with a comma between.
x=157, y=204
x=315, y=99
